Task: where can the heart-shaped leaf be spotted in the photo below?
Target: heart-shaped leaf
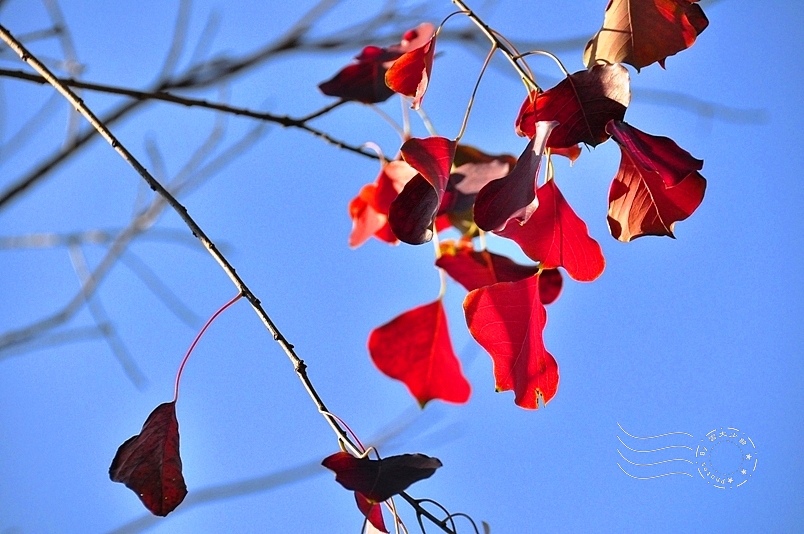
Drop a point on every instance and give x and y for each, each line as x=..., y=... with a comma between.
x=409, y=75
x=415, y=348
x=149, y=463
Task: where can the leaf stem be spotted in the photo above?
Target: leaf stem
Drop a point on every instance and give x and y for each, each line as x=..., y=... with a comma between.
x=195, y=342
x=474, y=93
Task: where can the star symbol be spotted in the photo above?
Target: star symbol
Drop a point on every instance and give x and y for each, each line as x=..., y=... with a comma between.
x=730, y=480
x=747, y=456
x=744, y=472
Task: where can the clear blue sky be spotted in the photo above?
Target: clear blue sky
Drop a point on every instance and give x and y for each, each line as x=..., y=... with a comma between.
x=685, y=335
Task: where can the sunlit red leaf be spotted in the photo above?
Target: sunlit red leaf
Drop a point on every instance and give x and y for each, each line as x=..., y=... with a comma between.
x=369, y=209
x=372, y=511
x=640, y=32
x=582, y=104
x=556, y=237
x=149, y=463
x=410, y=74
x=657, y=184
x=413, y=211
x=508, y=320
x=415, y=348
x=379, y=480
x=513, y=196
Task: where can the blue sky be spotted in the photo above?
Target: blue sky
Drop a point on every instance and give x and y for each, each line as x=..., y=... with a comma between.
x=688, y=335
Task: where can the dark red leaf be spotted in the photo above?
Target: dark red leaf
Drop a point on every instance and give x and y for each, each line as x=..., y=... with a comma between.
x=508, y=320
x=410, y=74
x=149, y=463
x=657, y=184
x=379, y=480
x=641, y=32
x=513, y=196
x=413, y=212
x=363, y=81
x=372, y=511
x=582, y=104
x=473, y=269
x=369, y=209
x=415, y=348
x=550, y=284
x=556, y=237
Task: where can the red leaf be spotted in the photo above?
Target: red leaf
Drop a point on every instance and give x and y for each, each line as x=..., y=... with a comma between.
x=149, y=463
x=413, y=211
x=372, y=511
x=513, y=196
x=379, y=480
x=363, y=81
x=657, y=184
x=639, y=32
x=508, y=320
x=556, y=237
x=415, y=348
x=473, y=269
x=550, y=284
x=369, y=209
x=410, y=74
x=582, y=104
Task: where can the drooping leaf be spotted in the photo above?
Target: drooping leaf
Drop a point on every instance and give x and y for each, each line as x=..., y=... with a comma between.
x=415, y=348
x=364, y=80
x=514, y=195
x=582, y=104
x=409, y=75
x=149, y=463
x=556, y=237
x=508, y=320
x=413, y=212
x=372, y=511
x=657, y=184
x=379, y=480
x=640, y=32
x=369, y=209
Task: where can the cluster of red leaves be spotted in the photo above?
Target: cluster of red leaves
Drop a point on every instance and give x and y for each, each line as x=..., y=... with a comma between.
x=436, y=183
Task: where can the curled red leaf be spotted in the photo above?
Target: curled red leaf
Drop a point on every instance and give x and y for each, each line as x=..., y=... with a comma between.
x=514, y=195
x=415, y=348
x=149, y=463
x=582, y=104
x=413, y=212
x=508, y=320
x=556, y=237
x=372, y=511
x=369, y=209
x=379, y=480
x=642, y=32
x=657, y=184
x=409, y=75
